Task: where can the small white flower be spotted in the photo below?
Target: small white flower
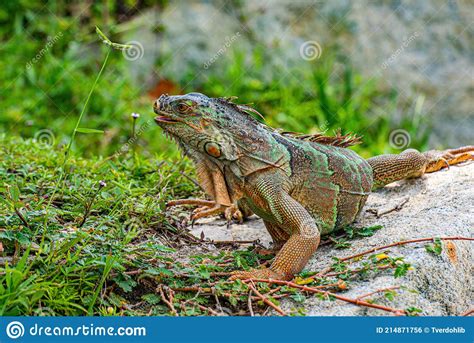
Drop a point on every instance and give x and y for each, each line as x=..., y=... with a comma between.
x=102, y=183
x=135, y=115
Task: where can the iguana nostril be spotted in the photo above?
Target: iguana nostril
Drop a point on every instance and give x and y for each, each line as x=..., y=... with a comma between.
x=161, y=102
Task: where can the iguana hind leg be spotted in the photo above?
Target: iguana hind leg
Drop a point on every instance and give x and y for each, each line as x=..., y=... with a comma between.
x=442, y=159
x=301, y=229
x=412, y=163
x=279, y=236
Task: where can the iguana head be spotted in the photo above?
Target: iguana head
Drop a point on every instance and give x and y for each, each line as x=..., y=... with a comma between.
x=213, y=126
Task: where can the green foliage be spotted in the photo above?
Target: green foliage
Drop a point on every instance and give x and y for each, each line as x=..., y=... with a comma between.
x=367, y=231
x=436, y=248
x=51, y=65
x=390, y=294
x=401, y=269
x=350, y=232
x=62, y=268
x=413, y=311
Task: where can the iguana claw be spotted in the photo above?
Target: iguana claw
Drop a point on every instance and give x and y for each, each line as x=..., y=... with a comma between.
x=208, y=208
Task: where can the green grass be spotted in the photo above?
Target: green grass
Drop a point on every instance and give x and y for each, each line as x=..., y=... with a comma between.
x=58, y=267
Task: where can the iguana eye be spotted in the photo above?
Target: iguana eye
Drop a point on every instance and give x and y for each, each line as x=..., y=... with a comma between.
x=183, y=108
x=213, y=149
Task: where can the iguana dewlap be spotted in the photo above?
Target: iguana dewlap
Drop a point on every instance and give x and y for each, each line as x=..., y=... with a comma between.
x=302, y=186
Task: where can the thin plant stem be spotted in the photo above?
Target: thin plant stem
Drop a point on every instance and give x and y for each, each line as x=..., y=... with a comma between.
x=73, y=135
x=88, y=208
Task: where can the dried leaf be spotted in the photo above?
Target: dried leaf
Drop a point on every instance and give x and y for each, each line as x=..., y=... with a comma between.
x=305, y=281
x=381, y=256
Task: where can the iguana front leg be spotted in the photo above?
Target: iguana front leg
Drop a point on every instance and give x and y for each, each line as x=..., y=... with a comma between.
x=212, y=181
x=304, y=235
x=412, y=163
x=208, y=208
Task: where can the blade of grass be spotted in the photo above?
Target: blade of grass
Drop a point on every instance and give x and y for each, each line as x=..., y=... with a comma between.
x=109, y=262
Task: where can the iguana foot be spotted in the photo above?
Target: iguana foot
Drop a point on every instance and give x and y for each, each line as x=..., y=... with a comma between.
x=265, y=273
x=208, y=208
x=443, y=159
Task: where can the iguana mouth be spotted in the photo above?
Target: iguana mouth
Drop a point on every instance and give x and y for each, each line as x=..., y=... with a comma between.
x=163, y=116
x=165, y=119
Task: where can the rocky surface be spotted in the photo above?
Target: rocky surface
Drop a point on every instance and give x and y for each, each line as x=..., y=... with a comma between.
x=437, y=205
x=418, y=48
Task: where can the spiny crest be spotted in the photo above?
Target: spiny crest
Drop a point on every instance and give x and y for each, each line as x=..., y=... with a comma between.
x=339, y=140
x=242, y=108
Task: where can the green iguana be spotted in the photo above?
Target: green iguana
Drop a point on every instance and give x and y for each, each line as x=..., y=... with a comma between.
x=302, y=186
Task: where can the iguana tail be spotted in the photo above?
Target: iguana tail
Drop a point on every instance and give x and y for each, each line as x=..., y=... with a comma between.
x=412, y=163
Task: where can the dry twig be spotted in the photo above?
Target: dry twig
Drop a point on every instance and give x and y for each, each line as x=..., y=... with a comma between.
x=249, y=304
x=169, y=301
x=417, y=240
x=397, y=312
x=264, y=299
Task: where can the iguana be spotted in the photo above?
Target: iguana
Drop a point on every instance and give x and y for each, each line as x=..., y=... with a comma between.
x=302, y=186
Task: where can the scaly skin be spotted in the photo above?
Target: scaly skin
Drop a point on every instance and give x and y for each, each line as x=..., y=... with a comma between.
x=302, y=186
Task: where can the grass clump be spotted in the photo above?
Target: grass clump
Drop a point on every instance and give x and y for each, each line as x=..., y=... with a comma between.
x=51, y=265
